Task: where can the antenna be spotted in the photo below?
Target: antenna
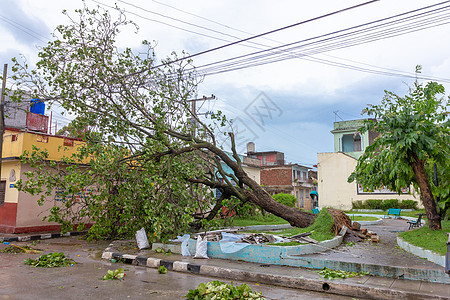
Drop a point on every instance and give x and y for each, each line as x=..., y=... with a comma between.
x=336, y=115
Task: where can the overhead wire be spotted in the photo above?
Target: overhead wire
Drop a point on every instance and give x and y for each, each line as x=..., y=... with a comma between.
x=24, y=29
x=260, y=57
x=181, y=21
x=303, y=56
x=275, y=48
x=164, y=23
x=253, y=37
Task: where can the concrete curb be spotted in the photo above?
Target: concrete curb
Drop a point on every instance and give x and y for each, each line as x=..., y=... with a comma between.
x=267, y=254
x=380, y=210
x=423, y=253
x=42, y=236
x=365, y=223
x=323, y=286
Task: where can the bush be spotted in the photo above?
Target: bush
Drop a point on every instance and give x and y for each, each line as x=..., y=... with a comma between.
x=390, y=203
x=234, y=207
x=408, y=204
x=286, y=199
x=221, y=290
x=374, y=204
x=358, y=204
x=384, y=204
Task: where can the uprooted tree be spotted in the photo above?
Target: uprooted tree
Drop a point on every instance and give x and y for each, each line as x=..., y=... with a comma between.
x=148, y=152
x=414, y=131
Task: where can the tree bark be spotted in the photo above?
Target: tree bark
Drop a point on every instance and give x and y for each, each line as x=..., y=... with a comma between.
x=434, y=220
x=260, y=197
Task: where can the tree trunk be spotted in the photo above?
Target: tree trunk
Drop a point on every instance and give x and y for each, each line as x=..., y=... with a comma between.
x=434, y=220
x=260, y=197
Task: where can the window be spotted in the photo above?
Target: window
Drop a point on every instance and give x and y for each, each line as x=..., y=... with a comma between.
x=356, y=142
x=351, y=142
x=14, y=137
x=2, y=192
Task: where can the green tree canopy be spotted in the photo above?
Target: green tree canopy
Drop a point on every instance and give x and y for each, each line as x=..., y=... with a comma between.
x=143, y=131
x=414, y=130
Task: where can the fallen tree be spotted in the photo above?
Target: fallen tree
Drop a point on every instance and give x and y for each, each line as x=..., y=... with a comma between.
x=131, y=101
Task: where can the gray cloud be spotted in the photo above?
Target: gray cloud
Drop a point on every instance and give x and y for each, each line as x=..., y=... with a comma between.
x=28, y=30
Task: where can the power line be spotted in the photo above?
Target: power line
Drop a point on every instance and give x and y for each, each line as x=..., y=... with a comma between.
x=253, y=37
x=301, y=56
x=178, y=20
x=260, y=57
x=23, y=28
x=164, y=23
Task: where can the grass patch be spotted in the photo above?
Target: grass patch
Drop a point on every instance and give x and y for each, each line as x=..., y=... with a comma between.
x=382, y=213
x=320, y=229
x=435, y=241
x=362, y=218
x=257, y=220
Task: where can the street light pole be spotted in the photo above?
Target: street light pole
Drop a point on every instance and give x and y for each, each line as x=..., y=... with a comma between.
x=2, y=115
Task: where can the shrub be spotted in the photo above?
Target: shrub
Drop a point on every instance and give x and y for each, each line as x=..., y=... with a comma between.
x=374, y=204
x=384, y=204
x=408, y=204
x=234, y=207
x=358, y=204
x=390, y=203
x=221, y=290
x=286, y=199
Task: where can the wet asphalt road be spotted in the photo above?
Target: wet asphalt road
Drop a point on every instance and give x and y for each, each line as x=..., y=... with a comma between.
x=83, y=280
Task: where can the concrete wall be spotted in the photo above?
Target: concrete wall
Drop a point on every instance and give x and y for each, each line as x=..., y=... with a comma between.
x=21, y=212
x=253, y=172
x=16, y=113
x=29, y=213
x=25, y=141
x=334, y=190
x=8, y=211
x=11, y=173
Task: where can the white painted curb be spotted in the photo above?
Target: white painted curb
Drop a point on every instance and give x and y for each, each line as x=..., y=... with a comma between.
x=423, y=253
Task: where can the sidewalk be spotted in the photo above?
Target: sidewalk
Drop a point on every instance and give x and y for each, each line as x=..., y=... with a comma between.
x=363, y=287
x=384, y=255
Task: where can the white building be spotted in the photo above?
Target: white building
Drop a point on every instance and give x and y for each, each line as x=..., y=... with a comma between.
x=334, y=168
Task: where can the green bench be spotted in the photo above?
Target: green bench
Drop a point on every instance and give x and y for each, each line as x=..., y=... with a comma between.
x=415, y=223
x=393, y=212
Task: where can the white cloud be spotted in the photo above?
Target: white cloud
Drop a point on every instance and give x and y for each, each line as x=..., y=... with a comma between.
x=307, y=92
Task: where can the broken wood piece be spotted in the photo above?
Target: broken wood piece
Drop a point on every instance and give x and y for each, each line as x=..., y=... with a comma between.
x=299, y=235
x=308, y=239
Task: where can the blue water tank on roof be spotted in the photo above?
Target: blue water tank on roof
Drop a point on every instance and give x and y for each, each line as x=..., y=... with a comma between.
x=37, y=106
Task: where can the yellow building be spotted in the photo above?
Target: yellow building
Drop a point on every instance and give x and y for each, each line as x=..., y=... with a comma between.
x=19, y=211
x=334, y=190
x=334, y=168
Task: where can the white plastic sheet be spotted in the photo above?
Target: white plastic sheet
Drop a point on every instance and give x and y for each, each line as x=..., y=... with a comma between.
x=184, y=239
x=201, y=248
x=141, y=238
x=228, y=243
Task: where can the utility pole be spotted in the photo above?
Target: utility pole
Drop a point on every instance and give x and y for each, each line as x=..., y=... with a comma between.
x=194, y=109
x=193, y=101
x=2, y=115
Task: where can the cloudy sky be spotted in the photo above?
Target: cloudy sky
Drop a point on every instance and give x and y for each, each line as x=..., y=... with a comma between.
x=325, y=69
